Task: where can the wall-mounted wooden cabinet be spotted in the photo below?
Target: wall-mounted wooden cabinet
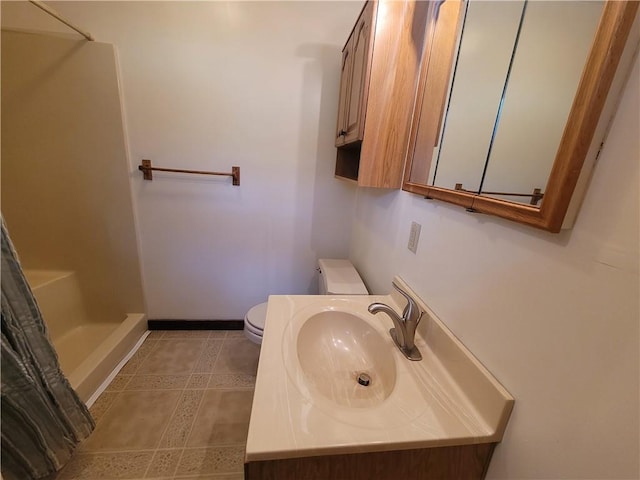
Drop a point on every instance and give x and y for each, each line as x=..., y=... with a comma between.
x=380, y=66
x=353, y=80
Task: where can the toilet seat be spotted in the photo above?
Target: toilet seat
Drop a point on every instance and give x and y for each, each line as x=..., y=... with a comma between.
x=254, y=321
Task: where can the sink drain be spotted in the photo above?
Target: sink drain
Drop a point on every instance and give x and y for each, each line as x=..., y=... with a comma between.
x=364, y=379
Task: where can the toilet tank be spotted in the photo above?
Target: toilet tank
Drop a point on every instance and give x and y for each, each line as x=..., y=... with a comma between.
x=339, y=277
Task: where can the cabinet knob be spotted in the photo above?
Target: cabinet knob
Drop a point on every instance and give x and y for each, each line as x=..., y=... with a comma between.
x=342, y=133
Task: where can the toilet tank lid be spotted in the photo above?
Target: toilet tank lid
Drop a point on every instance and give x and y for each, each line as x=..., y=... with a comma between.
x=342, y=278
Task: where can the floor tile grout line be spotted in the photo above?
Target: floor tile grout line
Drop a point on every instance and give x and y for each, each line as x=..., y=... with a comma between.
x=160, y=389
x=153, y=450
x=153, y=344
x=215, y=362
x=195, y=416
x=217, y=445
x=113, y=400
x=112, y=451
x=175, y=468
x=178, y=477
x=201, y=357
x=153, y=455
x=161, y=437
x=175, y=410
x=193, y=336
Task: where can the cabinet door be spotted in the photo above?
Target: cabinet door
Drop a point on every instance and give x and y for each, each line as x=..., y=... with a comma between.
x=357, y=85
x=344, y=92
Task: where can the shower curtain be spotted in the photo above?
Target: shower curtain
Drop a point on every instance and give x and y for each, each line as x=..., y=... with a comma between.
x=43, y=420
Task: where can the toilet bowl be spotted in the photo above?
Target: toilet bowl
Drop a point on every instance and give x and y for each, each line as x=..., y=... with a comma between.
x=254, y=322
x=337, y=277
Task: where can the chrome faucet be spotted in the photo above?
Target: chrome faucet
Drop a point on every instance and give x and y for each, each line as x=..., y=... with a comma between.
x=404, y=332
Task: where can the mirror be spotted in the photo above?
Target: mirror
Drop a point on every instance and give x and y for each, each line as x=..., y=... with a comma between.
x=509, y=100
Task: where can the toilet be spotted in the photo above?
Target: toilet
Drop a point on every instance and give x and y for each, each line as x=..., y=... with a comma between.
x=337, y=277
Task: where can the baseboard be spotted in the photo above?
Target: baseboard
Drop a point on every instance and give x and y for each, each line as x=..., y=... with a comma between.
x=195, y=324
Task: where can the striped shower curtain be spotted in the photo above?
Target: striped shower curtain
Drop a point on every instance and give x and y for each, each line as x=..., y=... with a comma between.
x=43, y=420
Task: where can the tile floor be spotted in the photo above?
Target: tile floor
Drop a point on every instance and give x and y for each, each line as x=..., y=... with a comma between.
x=179, y=409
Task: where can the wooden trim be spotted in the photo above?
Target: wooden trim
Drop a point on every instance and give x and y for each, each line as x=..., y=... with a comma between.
x=527, y=214
x=366, y=80
x=410, y=185
x=518, y=212
x=344, y=88
x=355, y=25
x=600, y=68
x=467, y=462
x=416, y=188
x=589, y=101
x=462, y=199
x=346, y=180
x=433, y=82
x=395, y=67
x=173, y=324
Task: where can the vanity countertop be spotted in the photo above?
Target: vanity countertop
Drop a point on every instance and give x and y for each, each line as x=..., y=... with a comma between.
x=446, y=399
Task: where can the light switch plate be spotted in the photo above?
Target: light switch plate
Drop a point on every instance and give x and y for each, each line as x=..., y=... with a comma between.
x=414, y=236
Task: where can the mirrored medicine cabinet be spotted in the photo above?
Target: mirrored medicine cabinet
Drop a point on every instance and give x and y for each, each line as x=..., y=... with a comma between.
x=509, y=100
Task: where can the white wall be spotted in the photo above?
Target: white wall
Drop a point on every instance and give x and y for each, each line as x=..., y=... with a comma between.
x=555, y=317
x=208, y=85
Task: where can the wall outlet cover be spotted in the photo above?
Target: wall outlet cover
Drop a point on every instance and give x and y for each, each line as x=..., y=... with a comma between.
x=414, y=236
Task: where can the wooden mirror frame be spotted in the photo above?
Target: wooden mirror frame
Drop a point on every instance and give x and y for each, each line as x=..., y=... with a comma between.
x=597, y=77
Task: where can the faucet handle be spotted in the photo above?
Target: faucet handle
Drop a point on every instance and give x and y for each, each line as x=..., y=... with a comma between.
x=411, y=310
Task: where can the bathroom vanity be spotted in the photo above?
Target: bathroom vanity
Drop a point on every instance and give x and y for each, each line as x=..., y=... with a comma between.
x=335, y=398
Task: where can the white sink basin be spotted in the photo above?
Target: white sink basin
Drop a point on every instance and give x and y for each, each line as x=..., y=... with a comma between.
x=344, y=359
x=307, y=400
x=327, y=345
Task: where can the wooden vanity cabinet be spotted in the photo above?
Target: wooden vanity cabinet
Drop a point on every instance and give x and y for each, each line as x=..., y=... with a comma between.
x=380, y=64
x=463, y=462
